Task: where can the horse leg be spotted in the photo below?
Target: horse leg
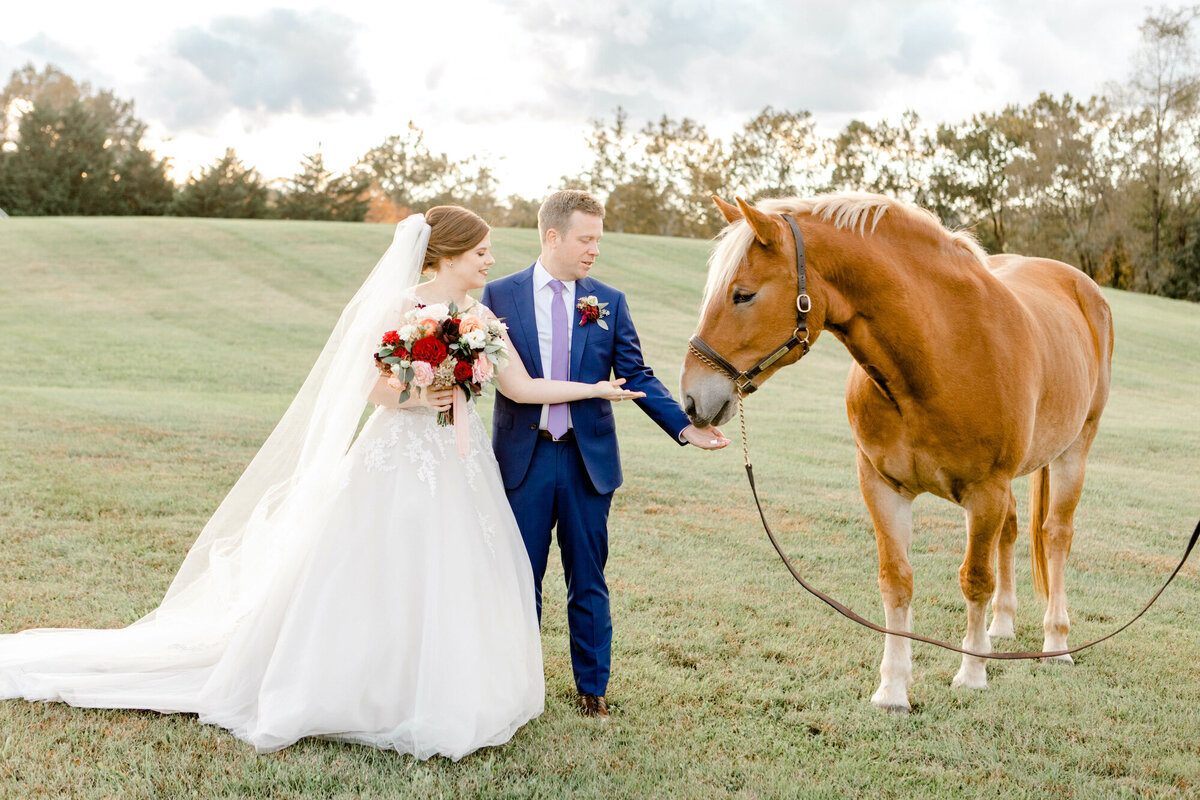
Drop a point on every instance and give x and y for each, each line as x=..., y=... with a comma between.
x=1004, y=601
x=987, y=509
x=1066, y=485
x=891, y=513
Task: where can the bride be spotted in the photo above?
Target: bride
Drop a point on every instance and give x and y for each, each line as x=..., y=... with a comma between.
x=375, y=592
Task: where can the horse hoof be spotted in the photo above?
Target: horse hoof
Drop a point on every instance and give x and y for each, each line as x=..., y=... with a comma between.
x=1001, y=631
x=893, y=703
x=968, y=680
x=893, y=708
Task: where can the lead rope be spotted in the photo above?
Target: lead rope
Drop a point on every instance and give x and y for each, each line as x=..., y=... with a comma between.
x=851, y=615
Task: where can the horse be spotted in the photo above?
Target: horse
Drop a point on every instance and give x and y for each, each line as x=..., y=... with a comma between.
x=969, y=371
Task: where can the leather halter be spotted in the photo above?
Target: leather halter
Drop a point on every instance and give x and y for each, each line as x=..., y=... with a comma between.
x=743, y=381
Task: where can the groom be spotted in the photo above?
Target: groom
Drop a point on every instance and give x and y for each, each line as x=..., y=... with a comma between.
x=561, y=463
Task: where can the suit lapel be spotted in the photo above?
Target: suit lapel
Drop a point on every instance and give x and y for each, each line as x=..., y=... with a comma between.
x=579, y=335
x=526, y=322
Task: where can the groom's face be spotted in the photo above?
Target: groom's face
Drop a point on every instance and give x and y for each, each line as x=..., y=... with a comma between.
x=573, y=251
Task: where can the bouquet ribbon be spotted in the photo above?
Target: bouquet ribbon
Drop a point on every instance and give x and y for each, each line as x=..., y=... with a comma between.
x=462, y=435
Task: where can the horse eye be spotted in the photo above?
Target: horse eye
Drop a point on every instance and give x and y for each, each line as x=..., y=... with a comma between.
x=741, y=296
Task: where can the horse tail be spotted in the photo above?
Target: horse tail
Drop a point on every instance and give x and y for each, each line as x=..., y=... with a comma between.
x=1039, y=507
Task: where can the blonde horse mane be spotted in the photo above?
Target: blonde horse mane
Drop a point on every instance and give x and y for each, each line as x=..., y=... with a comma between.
x=847, y=210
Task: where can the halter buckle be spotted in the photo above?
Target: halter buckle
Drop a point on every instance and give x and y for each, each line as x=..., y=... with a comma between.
x=803, y=303
x=744, y=385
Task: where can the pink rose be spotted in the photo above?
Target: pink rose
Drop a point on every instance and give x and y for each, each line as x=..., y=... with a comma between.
x=481, y=370
x=422, y=374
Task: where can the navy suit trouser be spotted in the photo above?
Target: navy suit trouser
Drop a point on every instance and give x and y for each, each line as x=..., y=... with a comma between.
x=557, y=491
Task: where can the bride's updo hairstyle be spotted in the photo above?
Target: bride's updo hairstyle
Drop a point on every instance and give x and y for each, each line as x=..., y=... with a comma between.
x=453, y=231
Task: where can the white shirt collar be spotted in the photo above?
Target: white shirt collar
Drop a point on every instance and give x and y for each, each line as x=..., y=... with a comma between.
x=541, y=277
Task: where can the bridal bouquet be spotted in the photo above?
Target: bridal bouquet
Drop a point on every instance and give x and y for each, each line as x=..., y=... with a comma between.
x=437, y=345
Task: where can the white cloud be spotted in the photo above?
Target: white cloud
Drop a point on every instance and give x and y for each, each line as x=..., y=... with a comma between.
x=521, y=79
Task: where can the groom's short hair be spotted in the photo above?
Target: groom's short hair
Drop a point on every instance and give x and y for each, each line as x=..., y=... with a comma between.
x=557, y=209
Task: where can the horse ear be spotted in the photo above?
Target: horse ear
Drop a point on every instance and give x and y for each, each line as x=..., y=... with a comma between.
x=765, y=230
x=729, y=212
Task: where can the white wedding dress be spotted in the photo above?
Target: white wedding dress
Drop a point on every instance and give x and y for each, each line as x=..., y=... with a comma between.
x=379, y=594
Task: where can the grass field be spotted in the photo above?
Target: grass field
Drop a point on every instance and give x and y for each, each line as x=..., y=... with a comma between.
x=142, y=362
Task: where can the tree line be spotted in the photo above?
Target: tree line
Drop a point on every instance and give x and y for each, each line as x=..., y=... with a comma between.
x=69, y=149
x=1110, y=184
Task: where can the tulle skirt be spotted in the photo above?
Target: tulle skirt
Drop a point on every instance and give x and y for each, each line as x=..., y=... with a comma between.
x=399, y=614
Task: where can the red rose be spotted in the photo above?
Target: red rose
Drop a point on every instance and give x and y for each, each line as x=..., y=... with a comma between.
x=391, y=338
x=400, y=353
x=462, y=372
x=430, y=350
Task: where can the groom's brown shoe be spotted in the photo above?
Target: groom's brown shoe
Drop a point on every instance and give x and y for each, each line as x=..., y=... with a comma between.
x=594, y=706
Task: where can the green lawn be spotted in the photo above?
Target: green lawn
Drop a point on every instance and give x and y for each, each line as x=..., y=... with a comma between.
x=144, y=360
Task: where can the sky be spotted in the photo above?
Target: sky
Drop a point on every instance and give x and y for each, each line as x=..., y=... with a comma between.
x=518, y=82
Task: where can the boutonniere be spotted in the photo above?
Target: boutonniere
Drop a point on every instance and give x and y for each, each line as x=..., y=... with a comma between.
x=592, y=310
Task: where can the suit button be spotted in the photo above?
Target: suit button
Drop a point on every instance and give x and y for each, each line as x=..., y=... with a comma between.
x=533, y=427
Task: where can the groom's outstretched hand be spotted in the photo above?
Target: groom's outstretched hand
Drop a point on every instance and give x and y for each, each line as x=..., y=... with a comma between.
x=704, y=438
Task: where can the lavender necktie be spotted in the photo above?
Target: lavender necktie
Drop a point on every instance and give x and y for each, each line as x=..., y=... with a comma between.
x=560, y=364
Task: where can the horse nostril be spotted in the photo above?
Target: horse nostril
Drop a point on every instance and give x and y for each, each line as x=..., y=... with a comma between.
x=689, y=406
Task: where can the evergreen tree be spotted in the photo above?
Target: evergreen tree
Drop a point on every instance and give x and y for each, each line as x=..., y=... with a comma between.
x=317, y=193
x=228, y=188
x=69, y=150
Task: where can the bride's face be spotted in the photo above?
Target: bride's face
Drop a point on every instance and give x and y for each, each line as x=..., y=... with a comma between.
x=471, y=268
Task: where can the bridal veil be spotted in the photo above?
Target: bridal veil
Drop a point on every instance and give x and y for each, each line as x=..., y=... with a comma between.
x=256, y=534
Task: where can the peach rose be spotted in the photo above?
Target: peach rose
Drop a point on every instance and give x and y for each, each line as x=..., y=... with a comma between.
x=428, y=327
x=422, y=374
x=469, y=324
x=481, y=370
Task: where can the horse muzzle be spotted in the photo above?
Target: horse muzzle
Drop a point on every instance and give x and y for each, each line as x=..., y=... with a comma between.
x=708, y=398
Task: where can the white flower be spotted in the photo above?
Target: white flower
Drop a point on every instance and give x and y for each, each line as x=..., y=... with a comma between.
x=475, y=339
x=407, y=333
x=435, y=311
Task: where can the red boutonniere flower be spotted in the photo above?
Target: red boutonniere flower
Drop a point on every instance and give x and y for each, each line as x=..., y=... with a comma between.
x=592, y=310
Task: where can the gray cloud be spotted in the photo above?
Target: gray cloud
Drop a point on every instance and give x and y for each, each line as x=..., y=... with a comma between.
x=280, y=61
x=664, y=56
x=41, y=50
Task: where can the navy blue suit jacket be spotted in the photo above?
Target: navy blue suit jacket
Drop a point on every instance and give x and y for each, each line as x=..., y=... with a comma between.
x=596, y=355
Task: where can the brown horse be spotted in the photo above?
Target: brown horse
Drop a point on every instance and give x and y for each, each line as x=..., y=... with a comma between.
x=969, y=371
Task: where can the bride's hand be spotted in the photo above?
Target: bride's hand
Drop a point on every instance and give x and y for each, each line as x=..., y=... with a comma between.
x=611, y=390
x=437, y=399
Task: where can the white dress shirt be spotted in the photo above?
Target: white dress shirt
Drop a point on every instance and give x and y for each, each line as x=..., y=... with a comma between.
x=543, y=295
